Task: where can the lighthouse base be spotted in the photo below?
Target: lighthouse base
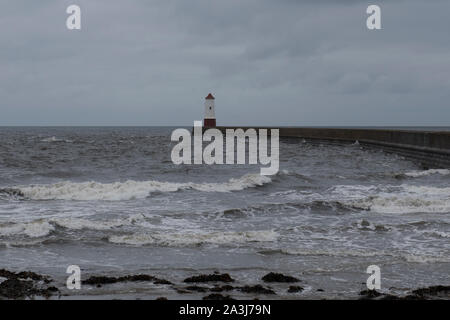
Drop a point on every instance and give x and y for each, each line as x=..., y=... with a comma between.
x=209, y=123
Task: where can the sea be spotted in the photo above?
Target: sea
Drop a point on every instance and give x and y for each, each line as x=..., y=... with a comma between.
x=110, y=200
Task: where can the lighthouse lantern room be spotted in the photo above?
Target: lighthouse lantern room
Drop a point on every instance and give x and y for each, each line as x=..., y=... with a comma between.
x=210, y=116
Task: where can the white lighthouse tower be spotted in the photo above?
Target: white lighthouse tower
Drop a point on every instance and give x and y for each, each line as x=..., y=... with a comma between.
x=210, y=115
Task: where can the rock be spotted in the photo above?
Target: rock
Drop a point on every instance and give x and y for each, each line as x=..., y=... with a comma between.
x=365, y=223
x=138, y=277
x=278, y=277
x=196, y=288
x=162, y=281
x=381, y=228
x=293, y=289
x=217, y=296
x=48, y=292
x=409, y=297
x=16, y=193
x=256, y=289
x=15, y=289
x=24, y=284
x=181, y=291
x=96, y=280
x=221, y=288
x=369, y=294
x=392, y=297
x=225, y=277
x=99, y=280
x=433, y=291
x=24, y=275
x=161, y=298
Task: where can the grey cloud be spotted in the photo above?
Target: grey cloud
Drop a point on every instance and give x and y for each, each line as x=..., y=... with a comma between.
x=268, y=62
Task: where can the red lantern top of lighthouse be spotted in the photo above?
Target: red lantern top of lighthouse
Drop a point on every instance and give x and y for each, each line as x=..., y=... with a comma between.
x=209, y=96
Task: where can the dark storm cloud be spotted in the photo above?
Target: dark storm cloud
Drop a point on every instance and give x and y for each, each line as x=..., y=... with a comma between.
x=268, y=62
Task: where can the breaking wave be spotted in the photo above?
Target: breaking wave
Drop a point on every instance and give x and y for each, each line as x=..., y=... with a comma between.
x=11, y=193
x=55, y=139
x=407, y=256
x=33, y=229
x=143, y=236
x=421, y=173
x=43, y=227
x=325, y=252
x=397, y=199
x=119, y=191
x=424, y=258
x=195, y=238
x=80, y=224
x=382, y=199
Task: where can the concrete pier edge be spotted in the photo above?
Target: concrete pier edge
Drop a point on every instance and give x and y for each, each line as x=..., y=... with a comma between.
x=430, y=148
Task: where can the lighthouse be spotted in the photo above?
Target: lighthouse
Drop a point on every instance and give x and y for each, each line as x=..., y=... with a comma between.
x=210, y=116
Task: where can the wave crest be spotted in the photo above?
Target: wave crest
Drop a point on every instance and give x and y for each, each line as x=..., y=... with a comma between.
x=358, y=253
x=34, y=229
x=381, y=199
x=129, y=190
x=422, y=173
x=395, y=199
x=11, y=193
x=195, y=238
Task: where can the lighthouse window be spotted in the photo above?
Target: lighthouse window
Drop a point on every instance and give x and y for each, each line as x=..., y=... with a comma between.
x=209, y=108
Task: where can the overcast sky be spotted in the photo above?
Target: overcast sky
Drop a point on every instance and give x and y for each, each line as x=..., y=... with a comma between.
x=284, y=62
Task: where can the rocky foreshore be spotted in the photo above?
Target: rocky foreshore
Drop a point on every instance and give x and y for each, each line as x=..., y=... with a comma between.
x=24, y=285
x=429, y=293
x=216, y=286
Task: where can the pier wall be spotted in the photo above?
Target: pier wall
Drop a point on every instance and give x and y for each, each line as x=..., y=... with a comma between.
x=431, y=149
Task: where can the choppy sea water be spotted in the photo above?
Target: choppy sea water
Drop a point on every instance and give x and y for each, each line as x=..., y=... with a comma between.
x=111, y=201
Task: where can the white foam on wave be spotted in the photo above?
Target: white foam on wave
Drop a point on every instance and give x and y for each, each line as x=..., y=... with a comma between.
x=43, y=227
x=382, y=199
x=421, y=173
x=195, y=238
x=132, y=189
x=396, y=199
x=408, y=256
x=423, y=258
x=33, y=229
x=332, y=252
x=77, y=223
x=55, y=139
x=436, y=233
